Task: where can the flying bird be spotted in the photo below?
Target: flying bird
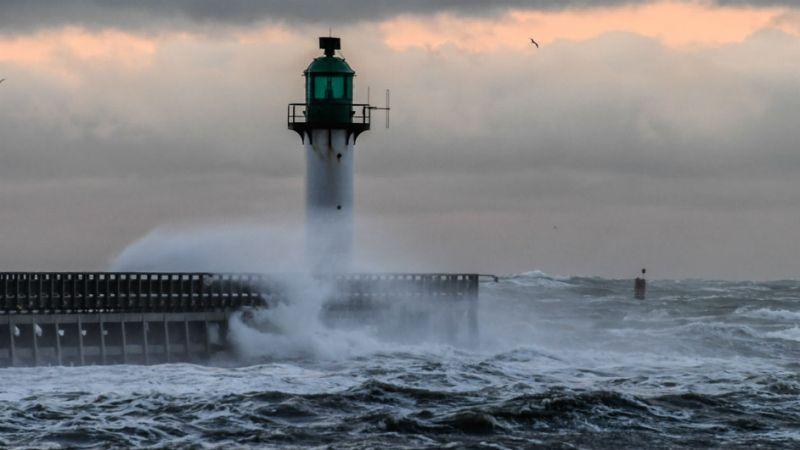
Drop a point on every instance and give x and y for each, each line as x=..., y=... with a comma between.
x=2, y=80
x=534, y=43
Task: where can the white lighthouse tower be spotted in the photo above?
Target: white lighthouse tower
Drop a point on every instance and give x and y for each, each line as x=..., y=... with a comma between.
x=329, y=124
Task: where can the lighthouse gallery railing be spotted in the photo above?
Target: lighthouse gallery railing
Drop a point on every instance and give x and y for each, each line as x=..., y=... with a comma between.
x=296, y=114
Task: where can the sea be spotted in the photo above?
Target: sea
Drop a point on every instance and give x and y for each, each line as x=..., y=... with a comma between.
x=558, y=363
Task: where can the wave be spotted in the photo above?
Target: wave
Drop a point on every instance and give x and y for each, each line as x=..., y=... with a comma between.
x=789, y=334
x=767, y=313
x=537, y=278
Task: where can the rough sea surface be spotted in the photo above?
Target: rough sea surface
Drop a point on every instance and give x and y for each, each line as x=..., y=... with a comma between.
x=561, y=363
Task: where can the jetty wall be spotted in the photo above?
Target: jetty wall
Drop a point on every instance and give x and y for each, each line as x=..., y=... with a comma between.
x=78, y=318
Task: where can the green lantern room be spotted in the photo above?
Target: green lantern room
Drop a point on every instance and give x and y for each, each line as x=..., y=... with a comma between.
x=329, y=87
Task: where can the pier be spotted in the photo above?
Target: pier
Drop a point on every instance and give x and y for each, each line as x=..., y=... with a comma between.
x=78, y=318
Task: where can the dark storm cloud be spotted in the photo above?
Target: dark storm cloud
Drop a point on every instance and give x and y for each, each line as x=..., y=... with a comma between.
x=20, y=15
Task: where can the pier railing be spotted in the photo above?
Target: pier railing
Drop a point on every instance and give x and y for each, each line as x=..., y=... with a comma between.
x=87, y=292
x=355, y=290
x=81, y=292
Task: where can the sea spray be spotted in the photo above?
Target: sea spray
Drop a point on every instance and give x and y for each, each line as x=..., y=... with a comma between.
x=219, y=248
x=293, y=329
x=296, y=326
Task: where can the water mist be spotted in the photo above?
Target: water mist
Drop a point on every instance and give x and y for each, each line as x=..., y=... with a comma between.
x=298, y=326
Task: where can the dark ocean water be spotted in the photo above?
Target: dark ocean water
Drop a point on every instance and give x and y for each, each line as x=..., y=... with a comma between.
x=561, y=363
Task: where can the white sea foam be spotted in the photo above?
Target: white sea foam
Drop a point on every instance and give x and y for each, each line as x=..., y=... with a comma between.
x=767, y=313
x=715, y=289
x=171, y=379
x=655, y=315
x=293, y=329
x=789, y=334
x=537, y=278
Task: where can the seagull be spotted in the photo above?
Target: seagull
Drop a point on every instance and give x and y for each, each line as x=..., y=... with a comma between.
x=534, y=43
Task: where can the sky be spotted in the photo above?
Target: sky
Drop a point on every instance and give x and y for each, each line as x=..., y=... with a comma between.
x=658, y=134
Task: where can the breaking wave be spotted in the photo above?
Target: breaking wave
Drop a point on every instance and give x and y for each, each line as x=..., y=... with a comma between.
x=770, y=314
x=791, y=334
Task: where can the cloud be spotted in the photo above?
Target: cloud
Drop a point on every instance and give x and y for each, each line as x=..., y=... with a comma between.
x=643, y=154
x=26, y=14
x=675, y=24
x=22, y=15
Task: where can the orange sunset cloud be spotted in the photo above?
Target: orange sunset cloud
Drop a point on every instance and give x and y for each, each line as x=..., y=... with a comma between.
x=675, y=24
x=43, y=48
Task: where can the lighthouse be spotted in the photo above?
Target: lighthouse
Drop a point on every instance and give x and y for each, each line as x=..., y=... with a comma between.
x=329, y=124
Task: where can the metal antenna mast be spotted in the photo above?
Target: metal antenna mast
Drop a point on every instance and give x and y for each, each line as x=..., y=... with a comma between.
x=386, y=108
